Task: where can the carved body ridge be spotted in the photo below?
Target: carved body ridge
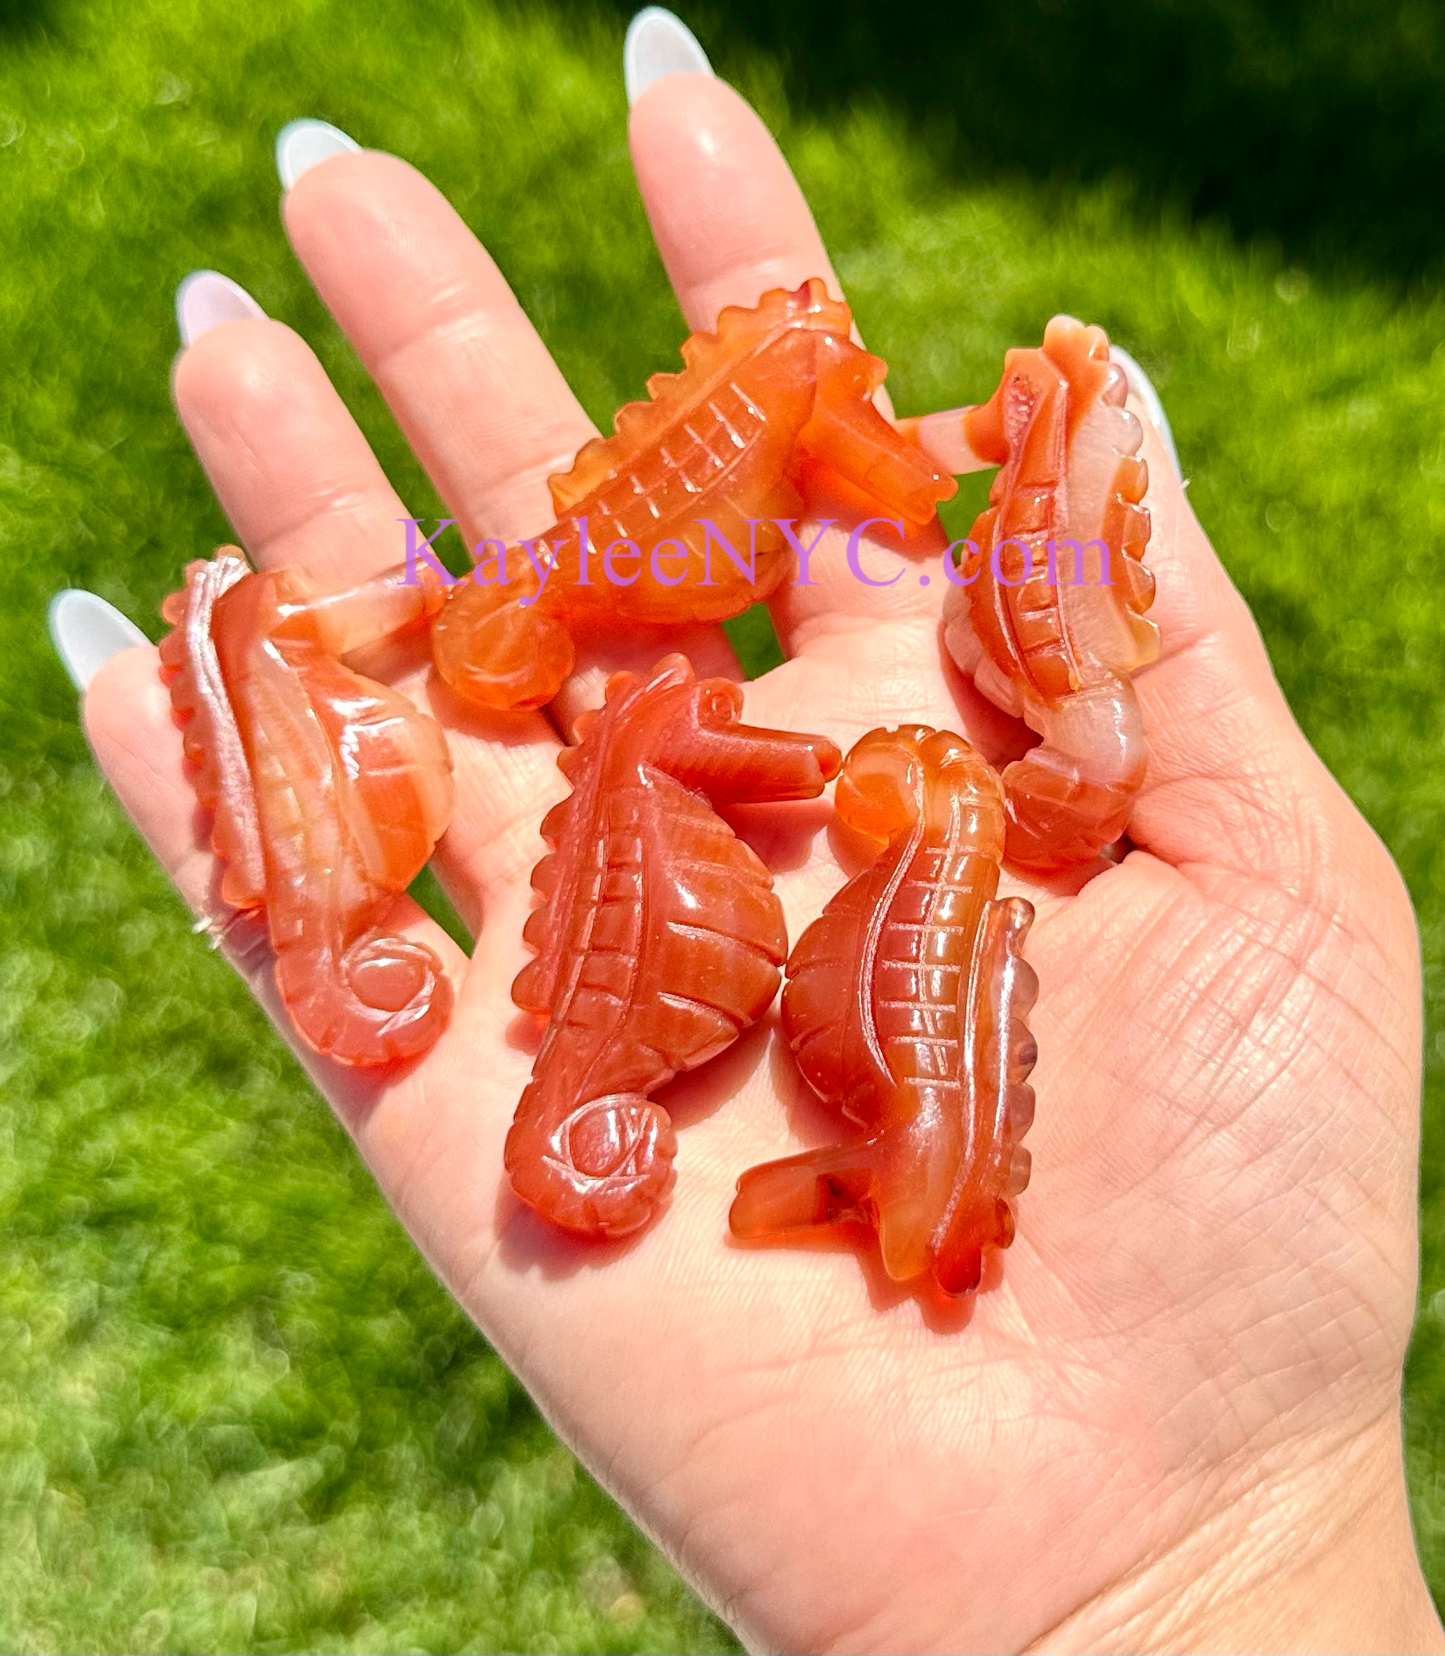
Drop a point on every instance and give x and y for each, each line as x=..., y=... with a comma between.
x=777, y=401
x=905, y=1006
x=660, y=939
x=1059, y=636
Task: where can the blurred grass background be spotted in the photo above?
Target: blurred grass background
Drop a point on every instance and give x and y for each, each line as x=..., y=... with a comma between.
x=236, y=1412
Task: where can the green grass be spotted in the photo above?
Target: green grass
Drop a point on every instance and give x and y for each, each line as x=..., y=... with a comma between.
x=236, y=1412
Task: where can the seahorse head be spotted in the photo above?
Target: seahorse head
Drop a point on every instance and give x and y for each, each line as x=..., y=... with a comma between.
x=1072, y=366
x=692, y=729
x=894, y=778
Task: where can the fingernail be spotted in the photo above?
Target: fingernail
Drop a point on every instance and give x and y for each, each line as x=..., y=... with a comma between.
x=1143, y=388
x=659, y=44
x=302, y=145
x=206, y=298
x=87, y=632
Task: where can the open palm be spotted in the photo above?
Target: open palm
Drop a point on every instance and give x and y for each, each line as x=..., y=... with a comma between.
x=1184, y=1390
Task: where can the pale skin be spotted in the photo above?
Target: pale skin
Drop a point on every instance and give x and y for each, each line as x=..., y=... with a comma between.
x=1174, y=1422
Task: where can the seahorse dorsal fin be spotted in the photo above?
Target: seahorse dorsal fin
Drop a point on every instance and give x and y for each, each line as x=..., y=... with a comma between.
x=1006, y=988
x=555, y=876
x=740, y=330
x=212, y=737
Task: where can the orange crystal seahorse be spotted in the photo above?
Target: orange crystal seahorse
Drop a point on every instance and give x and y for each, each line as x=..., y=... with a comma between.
x=772, y=406
x=1057, y=639
x=329, y=792
x=905, y=1005
x=660, y=939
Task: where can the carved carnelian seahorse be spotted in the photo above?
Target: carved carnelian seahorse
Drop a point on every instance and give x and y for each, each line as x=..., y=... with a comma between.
x=660, y=940
x=329, y=792
x=1057, y=639
x=776, y=404
x=905, y=1006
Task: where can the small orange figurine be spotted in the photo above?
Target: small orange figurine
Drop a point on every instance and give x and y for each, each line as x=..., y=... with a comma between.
x=775, y=405
x=905, y=1005
x=329, y=792
x=660, y=939
x=1050, y=623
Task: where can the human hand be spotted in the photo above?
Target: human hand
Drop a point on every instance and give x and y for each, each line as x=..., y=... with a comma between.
x=1175, y=1421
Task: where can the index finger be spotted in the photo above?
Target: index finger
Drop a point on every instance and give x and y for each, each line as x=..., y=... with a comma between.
x=731, y=224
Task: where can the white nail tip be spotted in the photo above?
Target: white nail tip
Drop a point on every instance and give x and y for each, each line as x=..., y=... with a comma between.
x=86, y=632
x=1143, y=388
x=659, y=44
x=206, y=298
x=302, y=145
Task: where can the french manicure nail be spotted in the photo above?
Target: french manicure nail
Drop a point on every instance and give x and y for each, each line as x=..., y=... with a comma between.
x=206, y=298
x=1143, y=388
x=86, y=632
x=302, y=145
x=659, y=44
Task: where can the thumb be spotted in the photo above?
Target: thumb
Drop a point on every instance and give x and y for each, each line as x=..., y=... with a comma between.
x=1232, y=781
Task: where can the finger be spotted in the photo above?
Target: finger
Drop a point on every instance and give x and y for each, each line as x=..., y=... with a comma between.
x=727, y=214
x=289, y=465
x=731, y=224
x=483, y=405
x=470, y=381
x=302, y=488
x=1231, y=781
